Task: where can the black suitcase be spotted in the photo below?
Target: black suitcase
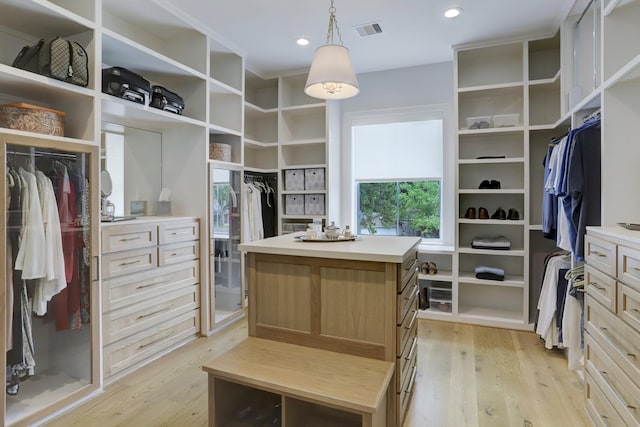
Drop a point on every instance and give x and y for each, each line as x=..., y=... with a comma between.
x=166, y=100
x=126, y=84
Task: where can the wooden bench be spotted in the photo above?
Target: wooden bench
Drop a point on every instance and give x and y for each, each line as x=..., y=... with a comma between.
x=259, y=380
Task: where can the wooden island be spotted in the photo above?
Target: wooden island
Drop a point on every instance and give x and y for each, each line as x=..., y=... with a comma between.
x=351, y=297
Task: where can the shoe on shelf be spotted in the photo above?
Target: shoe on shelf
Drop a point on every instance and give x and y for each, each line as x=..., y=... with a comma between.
x=513, y=215
x=433, y=268
x=493, y=184
x=483, y=213
x=485, y=184
x=499, y=214
x=424, y=268
x=424, y=300
x=470, y=213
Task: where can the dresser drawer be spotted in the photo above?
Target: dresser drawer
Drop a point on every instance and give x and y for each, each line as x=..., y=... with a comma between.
x=406, y=361
x=599, y=409
x=124, y=291
x=408, y=268
x=178, y=252
x=121, y=263
x=150, y=342
x=619, y=340
x=601, y=287
x=629, y=266
x=173, y=232
x=408, y=329
x=119, y=324
x=613, y=382
x=118, y=238
x=629, y=306
x=600, y=254
x=403, y=396
x=405, y=301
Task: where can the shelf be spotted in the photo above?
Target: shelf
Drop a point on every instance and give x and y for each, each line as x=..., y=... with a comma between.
x=441, y=276
x=509, y=280
x=303, y=192
x=510, y=252
x=490, y=221
x=260, y=144
x=491, y=161
x=42, y=21
x=501, y=191
x=555, y=80
x=254, y=110
x=304, y=141
x=129, y=113
x=490, y=130
x=491, y=315
x=219, y=87
x=491, y=87
x=630, y=72
x=20, y=134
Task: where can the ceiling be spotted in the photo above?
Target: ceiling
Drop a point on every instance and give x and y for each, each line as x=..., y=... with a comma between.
x=415, y=32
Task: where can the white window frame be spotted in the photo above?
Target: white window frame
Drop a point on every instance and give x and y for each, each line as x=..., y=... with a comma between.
x=348, y=209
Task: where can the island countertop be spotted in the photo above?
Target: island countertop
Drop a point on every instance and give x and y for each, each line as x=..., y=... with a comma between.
x=364, y=248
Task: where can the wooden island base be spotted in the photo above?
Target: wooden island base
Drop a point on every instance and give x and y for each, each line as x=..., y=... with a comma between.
x=263, y=379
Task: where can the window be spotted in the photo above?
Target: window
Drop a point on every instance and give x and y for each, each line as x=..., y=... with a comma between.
x=397, y=175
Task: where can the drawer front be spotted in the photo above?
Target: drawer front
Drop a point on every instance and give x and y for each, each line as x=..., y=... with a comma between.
x=408, y=268
x=178, y=232
x=601, y=287
x=629, y=306
x=405, y=301
x=600, y=254
x=406, y=361
x=149, y=343
x=619, y=340
x=121, y=263
x=127, y=290
x=599, y=409
x=403, y=397
x=613, y=382
x=408, y=329
x=135, y=318
x=178, y=252
x=629, y=266
x=126, y=237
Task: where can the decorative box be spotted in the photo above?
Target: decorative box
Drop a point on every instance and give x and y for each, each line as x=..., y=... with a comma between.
x=219, y=151
x=314, y=204
x=294, y=179
x=294, y=204
x=314, y=179
x=32, y=118
x=506, y=120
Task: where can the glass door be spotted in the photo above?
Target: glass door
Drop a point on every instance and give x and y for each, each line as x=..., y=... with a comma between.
x=226, y=281
x=51, y=327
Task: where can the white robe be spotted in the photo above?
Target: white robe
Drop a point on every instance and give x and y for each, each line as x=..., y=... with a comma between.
x=31, y=252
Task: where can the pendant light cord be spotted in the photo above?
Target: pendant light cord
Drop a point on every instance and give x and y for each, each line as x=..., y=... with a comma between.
x=333, y=26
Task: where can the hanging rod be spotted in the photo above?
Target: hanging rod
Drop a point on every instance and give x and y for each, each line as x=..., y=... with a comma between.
x=584, y=12
x=37, y=153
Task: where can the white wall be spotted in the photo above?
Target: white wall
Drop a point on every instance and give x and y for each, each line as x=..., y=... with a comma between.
x=400, y=88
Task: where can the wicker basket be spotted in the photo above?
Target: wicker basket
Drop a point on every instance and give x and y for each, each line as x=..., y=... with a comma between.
x=219, y=151
x=31, y=118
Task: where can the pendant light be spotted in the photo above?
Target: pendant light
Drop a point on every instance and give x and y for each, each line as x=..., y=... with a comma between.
x=331, y=75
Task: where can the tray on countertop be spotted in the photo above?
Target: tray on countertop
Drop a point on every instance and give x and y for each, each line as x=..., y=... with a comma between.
x=325, y=240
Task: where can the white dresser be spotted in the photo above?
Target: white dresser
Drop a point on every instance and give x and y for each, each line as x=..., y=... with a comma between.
x=150, y=289
x=612, y=326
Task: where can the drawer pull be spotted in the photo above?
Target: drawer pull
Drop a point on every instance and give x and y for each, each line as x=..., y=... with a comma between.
x=141, y=346
x=635, y=312
x=596, y=285
x=415, y=316
x=128, y=239
x=621, y=348
x=636, y=269
x=129, y=262
x=413, y=348
x=153, y=313
x=604, y=419
x=412, y=380
x=157, y=282
x=176, y=233
x=407, y=298
x=600, y=254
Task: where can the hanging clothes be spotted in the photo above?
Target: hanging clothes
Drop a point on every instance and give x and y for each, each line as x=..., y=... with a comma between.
x=31, y=253
x=547, y=325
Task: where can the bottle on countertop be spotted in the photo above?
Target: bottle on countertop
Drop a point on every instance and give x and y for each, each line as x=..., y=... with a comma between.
x=347, y=232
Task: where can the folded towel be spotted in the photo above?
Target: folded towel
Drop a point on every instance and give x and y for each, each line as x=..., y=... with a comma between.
x=492, y=270
x=499, y=242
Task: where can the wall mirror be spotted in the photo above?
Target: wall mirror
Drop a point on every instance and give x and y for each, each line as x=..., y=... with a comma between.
x=133, y=158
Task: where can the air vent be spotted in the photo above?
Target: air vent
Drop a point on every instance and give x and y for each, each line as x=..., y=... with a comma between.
x=368, y=29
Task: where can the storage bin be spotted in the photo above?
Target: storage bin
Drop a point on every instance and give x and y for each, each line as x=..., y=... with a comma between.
x=314, y=204
x=220, y=151
x=294, y=204
x=314, y=179
x=506, y=120
x=294, y=180
x=440, y=294
x=438, y=305
x=32, y=118
x=481, y=122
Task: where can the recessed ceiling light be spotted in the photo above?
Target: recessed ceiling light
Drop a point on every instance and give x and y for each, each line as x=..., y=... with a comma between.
x=453, y=12
x=302, y=41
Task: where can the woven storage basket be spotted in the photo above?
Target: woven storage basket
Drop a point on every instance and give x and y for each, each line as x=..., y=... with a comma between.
x=31, y=118
x=219, y=151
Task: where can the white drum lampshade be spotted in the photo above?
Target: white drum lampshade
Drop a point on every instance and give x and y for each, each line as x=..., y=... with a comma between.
x=331, y=75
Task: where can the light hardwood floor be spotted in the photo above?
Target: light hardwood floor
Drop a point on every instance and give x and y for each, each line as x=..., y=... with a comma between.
x=467, y=376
